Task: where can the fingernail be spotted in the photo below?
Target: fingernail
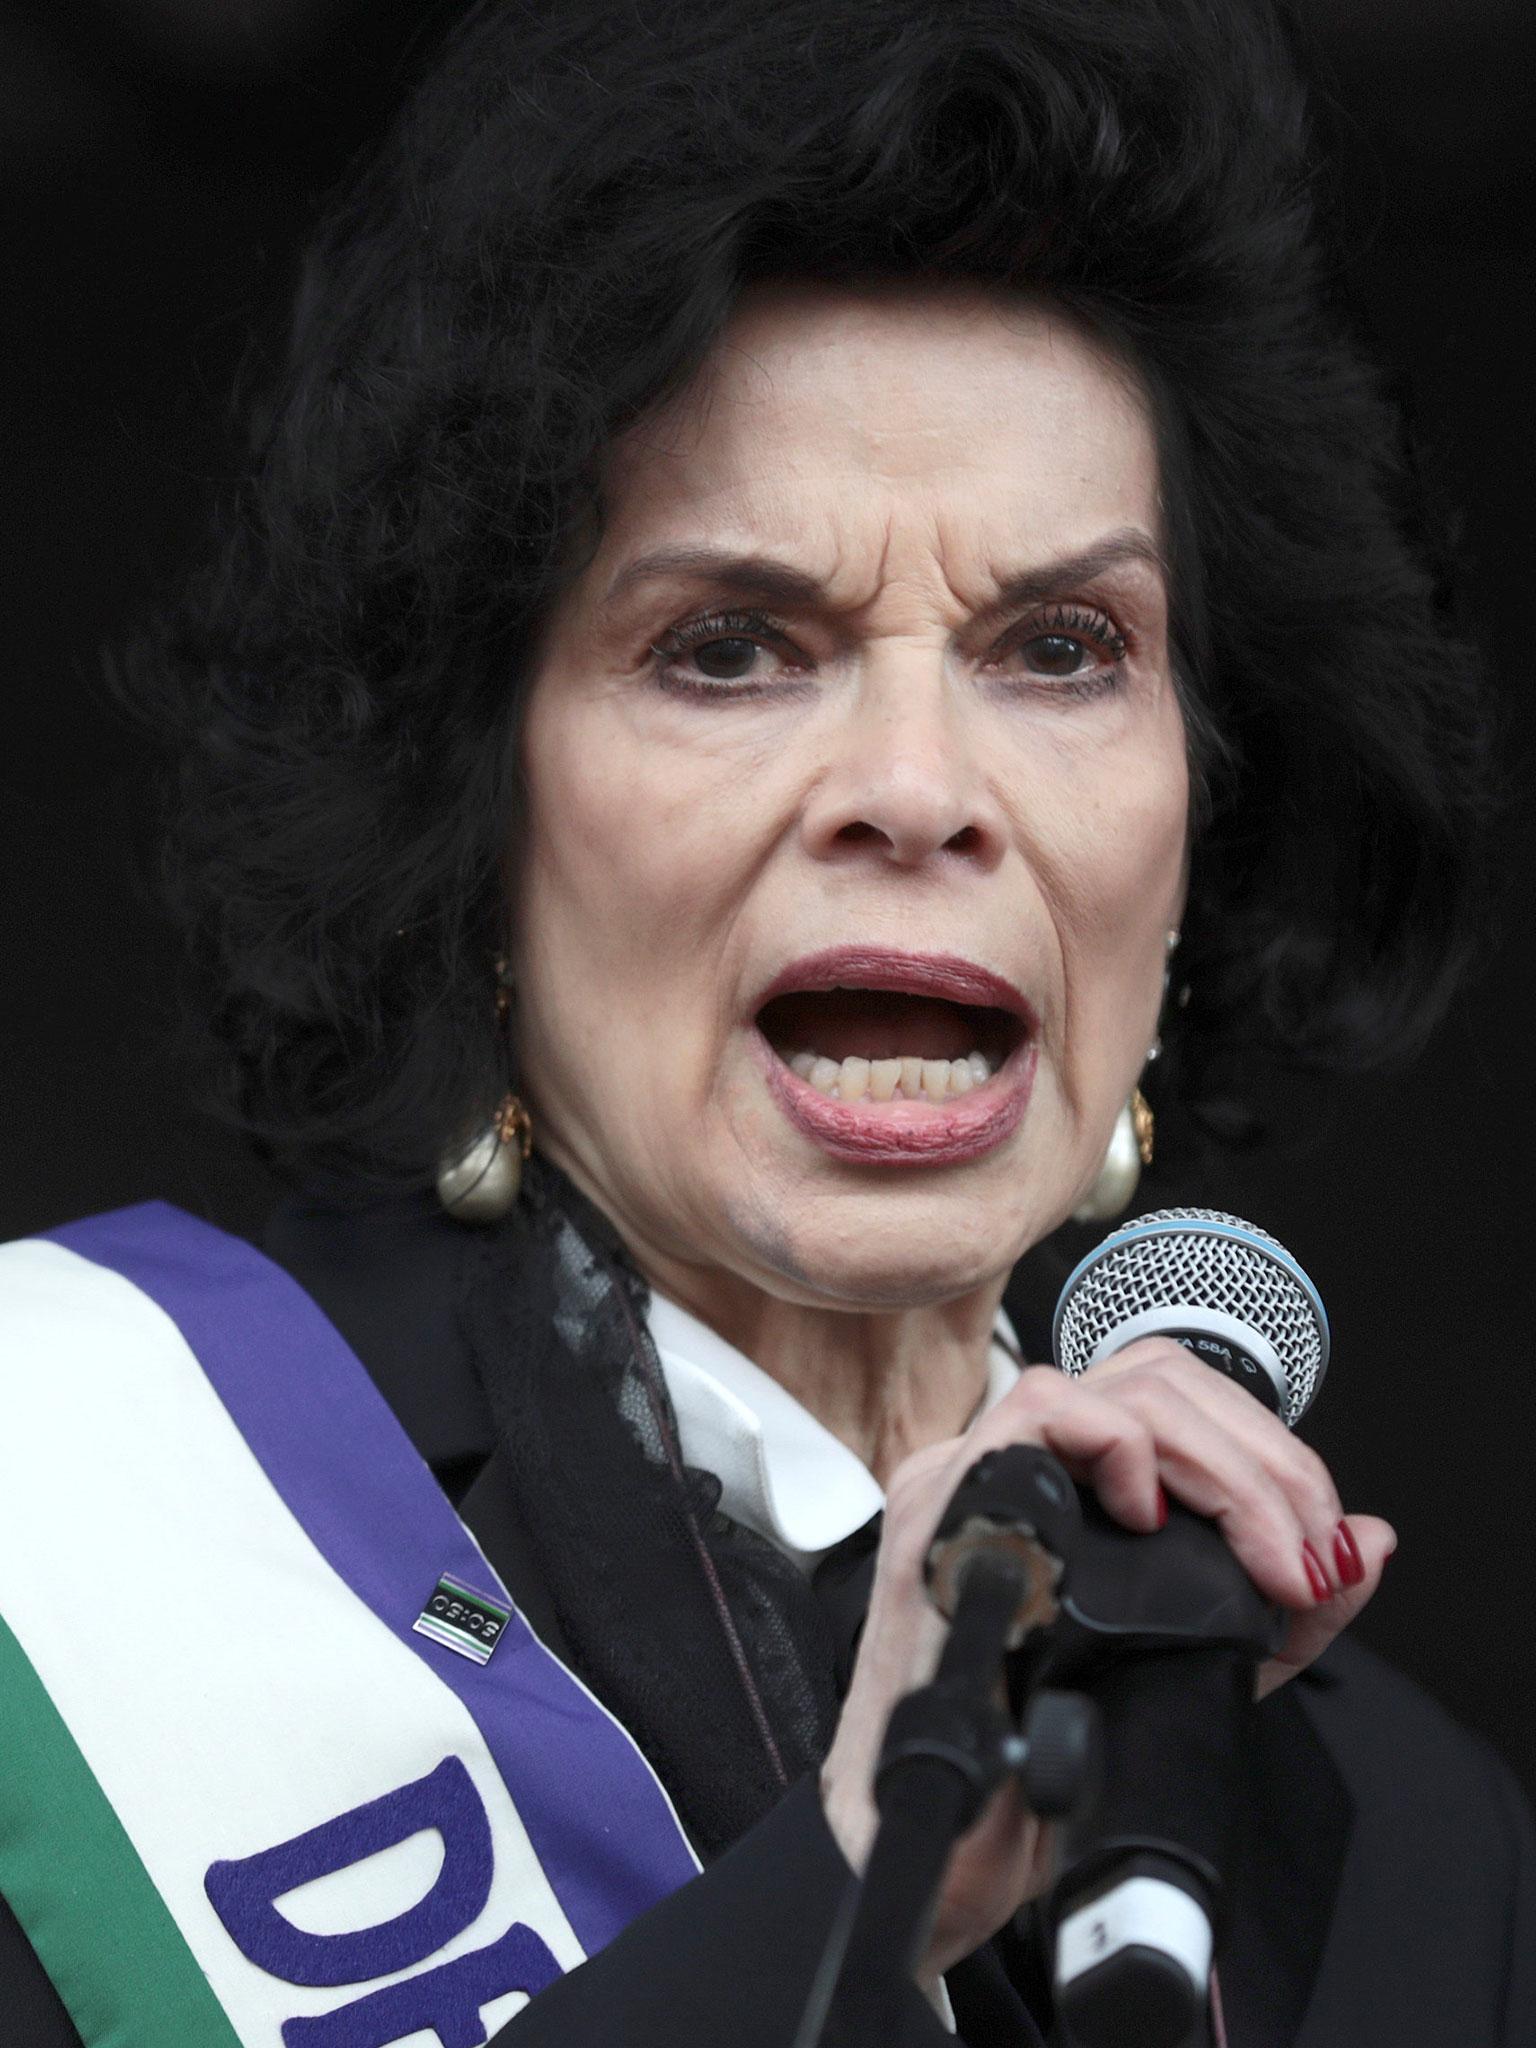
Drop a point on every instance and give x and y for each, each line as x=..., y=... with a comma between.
x=1162, y=1509
x=1317, y=1578
x=1346, y=1555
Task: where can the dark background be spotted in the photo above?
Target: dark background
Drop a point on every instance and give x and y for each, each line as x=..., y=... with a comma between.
x=159, y=161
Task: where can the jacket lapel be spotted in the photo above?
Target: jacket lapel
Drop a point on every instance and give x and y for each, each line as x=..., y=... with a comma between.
x=489, y=1511
x=1283, y=1892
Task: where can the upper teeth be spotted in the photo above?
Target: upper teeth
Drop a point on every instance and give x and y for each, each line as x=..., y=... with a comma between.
x=906, y=1080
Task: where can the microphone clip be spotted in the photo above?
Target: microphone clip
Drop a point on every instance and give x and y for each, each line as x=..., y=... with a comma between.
x=1015, y=1504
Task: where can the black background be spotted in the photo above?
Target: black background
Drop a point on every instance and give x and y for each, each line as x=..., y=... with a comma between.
x=159, y=161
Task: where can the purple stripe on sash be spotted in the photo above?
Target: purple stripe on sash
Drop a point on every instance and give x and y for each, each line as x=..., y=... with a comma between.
x=598, y=1821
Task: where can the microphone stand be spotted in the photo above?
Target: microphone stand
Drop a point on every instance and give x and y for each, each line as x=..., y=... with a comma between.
x=946, y=1751
x=950, y=1744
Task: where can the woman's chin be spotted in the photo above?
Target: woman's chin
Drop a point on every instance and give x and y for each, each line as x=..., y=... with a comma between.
x=883, y=1266
x=862, y=1238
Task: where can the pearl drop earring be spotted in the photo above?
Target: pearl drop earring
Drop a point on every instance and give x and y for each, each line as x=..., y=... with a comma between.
x=479, y=1182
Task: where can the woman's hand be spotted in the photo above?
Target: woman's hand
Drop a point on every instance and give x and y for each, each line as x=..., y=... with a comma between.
x=1150, y=1418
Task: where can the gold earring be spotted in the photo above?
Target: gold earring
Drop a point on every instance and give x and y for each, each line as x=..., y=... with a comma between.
x=1144, y=1124
x=479, y=1183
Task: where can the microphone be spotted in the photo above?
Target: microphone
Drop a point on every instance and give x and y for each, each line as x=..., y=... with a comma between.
x=1223, y=1288
x=1139, y=1897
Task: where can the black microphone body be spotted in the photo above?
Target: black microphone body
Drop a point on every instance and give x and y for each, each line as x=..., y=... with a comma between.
x=1163, y=1632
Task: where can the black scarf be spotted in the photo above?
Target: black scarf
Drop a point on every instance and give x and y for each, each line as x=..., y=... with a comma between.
x=705, y=1640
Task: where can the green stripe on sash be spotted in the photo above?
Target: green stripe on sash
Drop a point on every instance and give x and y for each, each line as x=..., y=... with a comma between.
x=85, y=1901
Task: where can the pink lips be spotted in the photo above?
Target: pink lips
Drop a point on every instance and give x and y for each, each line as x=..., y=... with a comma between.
x=905, y=1133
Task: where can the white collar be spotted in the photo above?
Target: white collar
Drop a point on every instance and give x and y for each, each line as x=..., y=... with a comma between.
x=781, y=1471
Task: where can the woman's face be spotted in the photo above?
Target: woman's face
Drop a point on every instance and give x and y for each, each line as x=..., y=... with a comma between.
x=856, y=744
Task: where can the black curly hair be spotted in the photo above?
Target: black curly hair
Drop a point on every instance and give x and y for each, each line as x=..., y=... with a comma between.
x=546, y=245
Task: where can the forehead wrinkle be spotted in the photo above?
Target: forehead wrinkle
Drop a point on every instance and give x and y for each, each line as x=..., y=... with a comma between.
x=783, y=581
x=938, y=567
x=835, y=543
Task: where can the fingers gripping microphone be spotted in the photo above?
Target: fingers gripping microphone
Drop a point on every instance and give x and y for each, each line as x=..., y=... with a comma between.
x=1140, y=1889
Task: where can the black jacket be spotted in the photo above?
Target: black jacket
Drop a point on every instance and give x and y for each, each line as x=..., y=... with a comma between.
x=1388, y=1900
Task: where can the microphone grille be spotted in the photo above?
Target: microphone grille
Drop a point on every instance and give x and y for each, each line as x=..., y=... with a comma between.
x=1198, y=1259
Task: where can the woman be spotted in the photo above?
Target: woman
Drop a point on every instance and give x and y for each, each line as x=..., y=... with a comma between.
x=803, y=562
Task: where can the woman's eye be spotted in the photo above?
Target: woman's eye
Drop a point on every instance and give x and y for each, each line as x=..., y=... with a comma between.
x=718, y=655
x=1072, y=645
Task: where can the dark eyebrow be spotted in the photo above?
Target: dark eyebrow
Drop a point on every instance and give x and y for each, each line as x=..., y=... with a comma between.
x=777, y=582
x=751, y=575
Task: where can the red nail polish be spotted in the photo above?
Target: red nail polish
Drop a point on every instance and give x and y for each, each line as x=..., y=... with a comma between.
x=1317, y=1578
x=1162, y=1509
x=1346, y=1555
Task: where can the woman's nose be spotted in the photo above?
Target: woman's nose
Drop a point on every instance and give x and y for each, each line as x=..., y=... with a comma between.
x=906, y=785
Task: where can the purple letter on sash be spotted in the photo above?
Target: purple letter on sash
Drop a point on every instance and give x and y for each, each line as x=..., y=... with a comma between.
x=447, y=1999
x=243, y=1891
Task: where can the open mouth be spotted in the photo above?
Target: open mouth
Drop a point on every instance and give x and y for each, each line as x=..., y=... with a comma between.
x=888, y=1058
x=883, y=1045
